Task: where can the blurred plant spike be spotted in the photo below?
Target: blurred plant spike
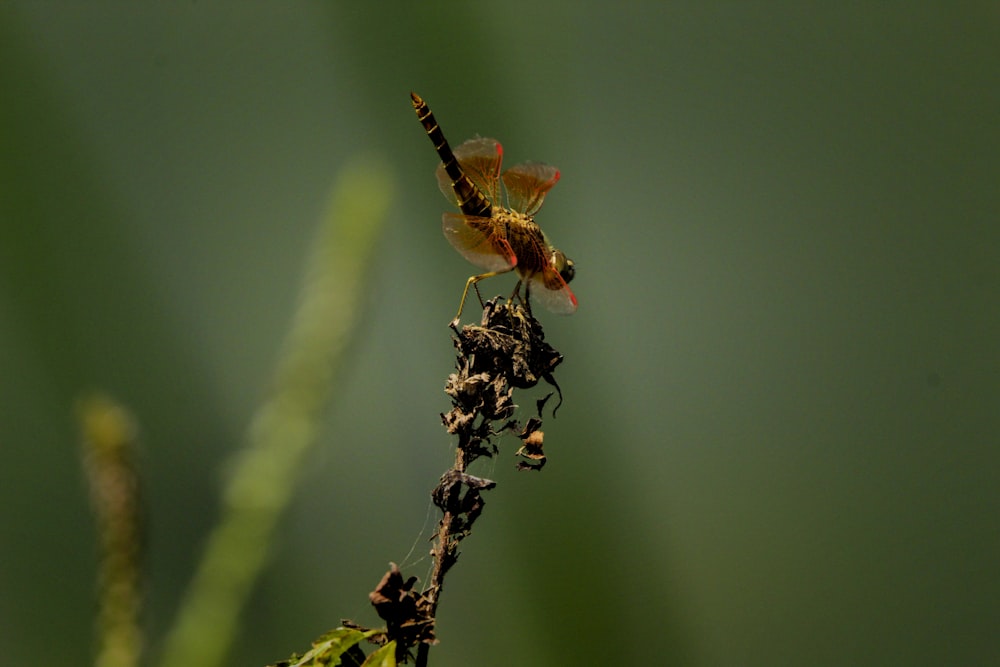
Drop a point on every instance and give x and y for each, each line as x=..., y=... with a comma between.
x=285, y=426
x=109, y=444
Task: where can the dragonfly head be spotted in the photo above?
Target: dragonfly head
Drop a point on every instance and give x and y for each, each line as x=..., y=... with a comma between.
x=564, y=265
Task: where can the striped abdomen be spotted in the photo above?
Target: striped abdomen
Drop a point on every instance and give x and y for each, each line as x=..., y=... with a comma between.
x=470, y=200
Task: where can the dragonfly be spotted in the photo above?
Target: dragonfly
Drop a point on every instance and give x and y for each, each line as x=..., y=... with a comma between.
x=496, y=229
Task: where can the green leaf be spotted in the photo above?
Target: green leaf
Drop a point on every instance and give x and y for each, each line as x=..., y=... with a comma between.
x=328, y=649
x=384, y=657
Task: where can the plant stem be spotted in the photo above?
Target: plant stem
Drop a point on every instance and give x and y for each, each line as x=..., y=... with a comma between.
x=285, y=427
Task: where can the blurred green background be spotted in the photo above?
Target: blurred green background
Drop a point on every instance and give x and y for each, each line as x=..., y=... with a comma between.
x=779, y=444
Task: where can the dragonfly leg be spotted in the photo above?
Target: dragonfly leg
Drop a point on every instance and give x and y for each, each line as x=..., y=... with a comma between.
x=479, y=296
x=516, y=294
x=527, y=294
x=470, y=283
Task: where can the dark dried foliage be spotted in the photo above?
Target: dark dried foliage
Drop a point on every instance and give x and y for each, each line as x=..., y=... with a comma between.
x=506, y=351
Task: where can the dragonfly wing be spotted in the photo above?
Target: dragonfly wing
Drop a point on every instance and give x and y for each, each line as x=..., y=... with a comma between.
x=474, y=238
x=527, y=185
x=480, y=159
x=544, y=283
x=548, y=288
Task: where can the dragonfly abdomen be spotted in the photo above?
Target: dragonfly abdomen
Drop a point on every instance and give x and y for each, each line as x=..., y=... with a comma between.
x=470, y=200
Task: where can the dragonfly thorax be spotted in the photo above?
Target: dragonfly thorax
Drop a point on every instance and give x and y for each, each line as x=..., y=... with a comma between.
x=526, y=239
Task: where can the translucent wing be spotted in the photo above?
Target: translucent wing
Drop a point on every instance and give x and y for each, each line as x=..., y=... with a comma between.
x=480, y=160
x=527, y=185
x=548, y=288
x=544, y=284
x=475, y=239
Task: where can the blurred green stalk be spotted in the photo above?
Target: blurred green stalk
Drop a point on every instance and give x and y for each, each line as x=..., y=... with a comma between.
x=109, y=450
x=285, y=427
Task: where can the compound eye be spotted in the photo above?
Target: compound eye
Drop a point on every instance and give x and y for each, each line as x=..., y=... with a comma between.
x=564, y=266
x=569, y=272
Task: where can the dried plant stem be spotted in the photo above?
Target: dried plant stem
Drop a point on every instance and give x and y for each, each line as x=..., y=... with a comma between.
x=506, y=351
